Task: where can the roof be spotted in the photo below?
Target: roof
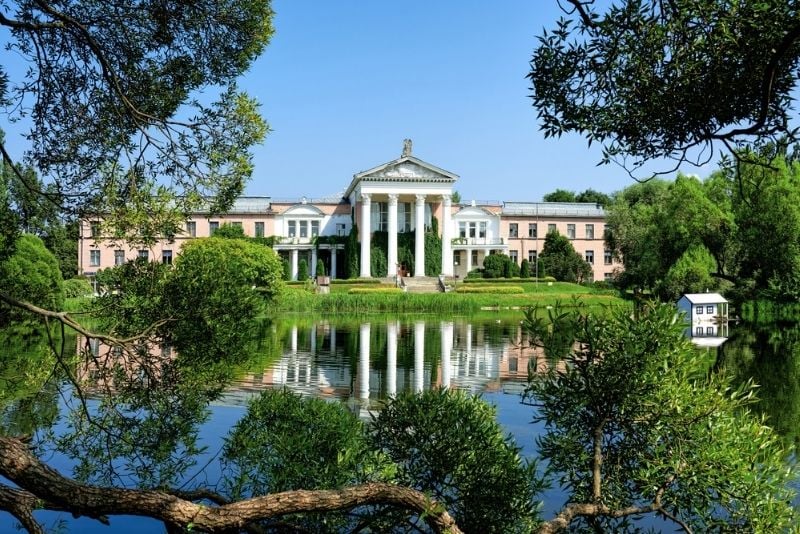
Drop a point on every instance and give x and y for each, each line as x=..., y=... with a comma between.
x=396, y=171
x=704, y=298
x=553, y=209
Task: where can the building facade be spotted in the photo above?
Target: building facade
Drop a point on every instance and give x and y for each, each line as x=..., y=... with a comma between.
x=397, y=197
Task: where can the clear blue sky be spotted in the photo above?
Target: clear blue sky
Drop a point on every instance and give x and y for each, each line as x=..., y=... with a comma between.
x=343, y=83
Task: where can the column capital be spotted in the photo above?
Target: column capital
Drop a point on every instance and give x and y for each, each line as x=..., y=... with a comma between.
x=366, y=198
x=393, y=199
x=420, y=199
x=447, y=200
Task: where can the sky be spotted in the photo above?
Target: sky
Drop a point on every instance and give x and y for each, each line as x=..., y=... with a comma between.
x=343, y=83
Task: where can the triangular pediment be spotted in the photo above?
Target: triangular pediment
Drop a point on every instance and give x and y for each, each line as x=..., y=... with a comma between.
x=404, y=170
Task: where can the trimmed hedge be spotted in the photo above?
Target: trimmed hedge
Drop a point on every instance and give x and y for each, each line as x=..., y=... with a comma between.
x=77, y=287
x=474, y=288
x=354, y=281
x=373, y=290
x=486, y=281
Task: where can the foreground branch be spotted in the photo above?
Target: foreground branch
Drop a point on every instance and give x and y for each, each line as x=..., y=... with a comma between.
x=19, y=465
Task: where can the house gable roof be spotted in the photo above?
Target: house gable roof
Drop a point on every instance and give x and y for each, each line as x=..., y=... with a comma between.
x=304, y=209
x=407, y=169
x=704, y=298
x=474, y=211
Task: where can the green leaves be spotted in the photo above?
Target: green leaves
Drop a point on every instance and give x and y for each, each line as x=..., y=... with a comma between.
x=634, y=418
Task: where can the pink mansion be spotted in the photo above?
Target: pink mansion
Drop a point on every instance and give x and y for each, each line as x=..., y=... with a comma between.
x=396, y=197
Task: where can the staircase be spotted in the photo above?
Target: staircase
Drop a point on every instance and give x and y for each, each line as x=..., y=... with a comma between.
x=424, y=284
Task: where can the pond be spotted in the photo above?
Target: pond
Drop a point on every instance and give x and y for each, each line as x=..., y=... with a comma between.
x=359, y=361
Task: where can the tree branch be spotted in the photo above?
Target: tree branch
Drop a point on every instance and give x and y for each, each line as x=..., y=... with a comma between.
x=22, y=467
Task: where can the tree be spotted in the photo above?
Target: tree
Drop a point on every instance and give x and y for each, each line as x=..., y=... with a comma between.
x=110, y=89
x=449, y=444
x=32, y=274
x=287, y=270
x=320, y=268
x=690, y=274
x=651, y=79
x=525, y=269
x=559, y=259
x=590, y=195
x=559, y=195
x=637, y=426
x=230, y=231
x=302, y=269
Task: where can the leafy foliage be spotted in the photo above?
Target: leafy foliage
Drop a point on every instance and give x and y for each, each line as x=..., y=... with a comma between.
x=449, y=443
x=559, y=260
x=302, y=269
x=77, y=287
x=634, y=422
x=652, y=79
x=31, y=273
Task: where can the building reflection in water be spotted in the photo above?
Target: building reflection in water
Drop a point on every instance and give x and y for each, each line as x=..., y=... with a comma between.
x=364, y=364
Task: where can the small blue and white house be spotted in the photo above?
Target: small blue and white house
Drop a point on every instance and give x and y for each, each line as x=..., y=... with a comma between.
x=706, y=314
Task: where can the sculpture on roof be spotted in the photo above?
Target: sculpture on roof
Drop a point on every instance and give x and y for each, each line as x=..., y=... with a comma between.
x=406, y=148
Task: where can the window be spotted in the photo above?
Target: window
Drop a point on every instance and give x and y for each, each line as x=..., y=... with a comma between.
x=475, y=259
x=698, y=310
x=551, y=228
x=456, y=257
x=571, y=231
x=482, y=229
x=462, y=229
x=119, y=257
x=698, y=331
x=303, y=228
x=589, y=256
x=383, y=216
x=292, y=231
x=143, y=254
x=166, y=257
x=314, y=228
x=608, y=277
x=709, y=310
x=94, y=258
x=95, y=228
x=513, y=230
x=191, y=228
x=213, y=226
x=589, y=231
x=709, y=330
x=259, y=229
x=607, y=257
x=340, y=229
x=472, y=230
x=406, y=216
x=532, y=230
x=513, y=255
x=532, y=256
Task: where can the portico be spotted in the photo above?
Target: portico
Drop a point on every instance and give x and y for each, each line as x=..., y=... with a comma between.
x=403, y=195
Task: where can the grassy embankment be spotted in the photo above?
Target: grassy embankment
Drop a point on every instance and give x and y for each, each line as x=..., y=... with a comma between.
x=500, y=295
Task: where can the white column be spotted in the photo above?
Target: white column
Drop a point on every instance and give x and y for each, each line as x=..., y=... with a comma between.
x=447, y=245
x=313, y=340
x=419, y=240
x=363, y=362
x=419, y=356
x=469, y=261
x=392, y=253
x=391, y=360
x=333, y=263
x=294, y=264
x=293, y=342
x=366, y=234
x=447, y=349
x=313, y=267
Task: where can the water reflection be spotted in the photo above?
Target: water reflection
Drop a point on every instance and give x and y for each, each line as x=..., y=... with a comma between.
x=362, y=364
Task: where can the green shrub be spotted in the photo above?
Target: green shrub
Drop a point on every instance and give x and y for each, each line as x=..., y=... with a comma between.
x=302, y=269
x=287, y=270
x=359, y=281
x=77, y=287
x=31, y=274
x=525, y=269
x=320, y=268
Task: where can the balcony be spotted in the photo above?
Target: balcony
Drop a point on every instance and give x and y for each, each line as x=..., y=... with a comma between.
x=477, y=241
